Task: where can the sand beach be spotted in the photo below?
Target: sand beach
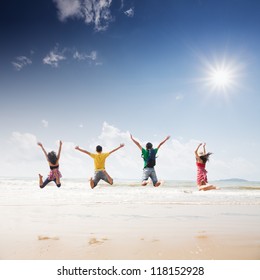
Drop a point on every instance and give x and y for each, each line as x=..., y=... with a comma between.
x=127, y=221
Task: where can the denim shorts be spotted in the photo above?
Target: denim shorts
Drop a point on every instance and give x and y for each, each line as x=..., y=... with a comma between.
x=149, y=172
x=99, y=175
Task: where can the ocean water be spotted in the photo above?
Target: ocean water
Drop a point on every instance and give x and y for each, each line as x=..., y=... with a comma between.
x=25, y=191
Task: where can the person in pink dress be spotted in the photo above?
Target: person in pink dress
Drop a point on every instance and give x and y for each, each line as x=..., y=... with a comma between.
x=201, y=160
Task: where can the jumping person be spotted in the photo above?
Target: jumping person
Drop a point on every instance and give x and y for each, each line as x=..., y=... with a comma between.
x=53, y=161
x=149, y=155
x=201, y=160
x=99, y=164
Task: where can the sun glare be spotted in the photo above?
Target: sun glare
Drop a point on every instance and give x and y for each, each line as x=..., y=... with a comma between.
x=221, y=76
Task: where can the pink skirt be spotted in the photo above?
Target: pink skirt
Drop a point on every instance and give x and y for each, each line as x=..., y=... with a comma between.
x=54, y=174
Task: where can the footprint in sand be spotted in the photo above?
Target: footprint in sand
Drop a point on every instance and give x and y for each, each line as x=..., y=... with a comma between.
x=93, y=241
x=202, y=235
x=42, y=237
x=155, y=240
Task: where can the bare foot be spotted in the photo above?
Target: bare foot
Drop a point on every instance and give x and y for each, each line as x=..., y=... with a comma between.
x=157, y=184
x=144, y=183
x=40, y=180
x=207, y=188
x=92, y=184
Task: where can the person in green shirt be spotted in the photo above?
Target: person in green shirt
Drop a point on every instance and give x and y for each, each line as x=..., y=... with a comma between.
x=149, y=155
x=99, y=164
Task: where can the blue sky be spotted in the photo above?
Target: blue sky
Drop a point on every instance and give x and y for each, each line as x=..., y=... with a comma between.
x=89, y=72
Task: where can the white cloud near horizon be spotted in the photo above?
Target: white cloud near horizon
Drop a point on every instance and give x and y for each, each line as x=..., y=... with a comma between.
x=23, y=149
x=20, y=62
x=95, y=12
x=175, y=161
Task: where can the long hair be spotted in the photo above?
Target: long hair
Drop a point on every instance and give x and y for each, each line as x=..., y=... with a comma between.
x=205, y=157
x=52, y=157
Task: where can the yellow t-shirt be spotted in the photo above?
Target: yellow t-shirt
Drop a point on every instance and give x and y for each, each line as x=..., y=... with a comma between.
x=99, y=160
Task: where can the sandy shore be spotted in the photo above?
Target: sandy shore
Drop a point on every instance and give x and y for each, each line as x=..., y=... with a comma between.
x=107, y=231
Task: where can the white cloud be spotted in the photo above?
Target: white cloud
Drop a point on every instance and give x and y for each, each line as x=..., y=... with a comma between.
x=95, y=12
x=122, y=5
x=83, y=56
x=79, y=56
x=93, y=55
x=25, y=141
x=68, y=8
x=22, y=157
x=22, y=149
x=45, y=123
x=130, y=12
x=20, y=62
x=53, y=58
x=175, y=160
x=233, y=168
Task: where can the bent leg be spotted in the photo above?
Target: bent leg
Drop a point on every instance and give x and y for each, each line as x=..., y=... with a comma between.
x=40, y=180
x=153, y=176
x=107, y=178
x=207, y=187
x=146, y=175
x=43, y=184
x=93, y=182
x=57, y=182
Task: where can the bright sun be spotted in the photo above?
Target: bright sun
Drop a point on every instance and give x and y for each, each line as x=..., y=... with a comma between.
x=221, y=76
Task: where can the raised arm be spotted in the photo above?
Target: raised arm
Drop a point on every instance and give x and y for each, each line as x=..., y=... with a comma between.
x=196, y=151
x=58, y=156
x=167, y=138
x=204, y=148
x=120, y=146
x=45, y=153
x=136, y=142
x=81, y=150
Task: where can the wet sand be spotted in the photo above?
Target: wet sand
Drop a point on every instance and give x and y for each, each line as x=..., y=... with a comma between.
x=125, y=231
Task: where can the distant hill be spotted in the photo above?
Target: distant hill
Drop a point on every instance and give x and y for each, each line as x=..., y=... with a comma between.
x=233, y=179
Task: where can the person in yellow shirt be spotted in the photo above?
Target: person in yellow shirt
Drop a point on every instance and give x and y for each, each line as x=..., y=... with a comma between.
x=99, y=164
